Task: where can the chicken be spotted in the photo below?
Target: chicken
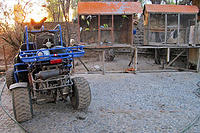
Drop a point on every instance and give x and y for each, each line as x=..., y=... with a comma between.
x=37, y=25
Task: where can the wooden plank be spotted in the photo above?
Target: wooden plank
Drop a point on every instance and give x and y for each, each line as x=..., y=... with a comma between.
x=83, y=64
x=178, y=39
x=170, y=63
x=180, y=69
x=135, y=58
x=160, y=45
x=165, y=28
x=107, y=47
x=156, y=71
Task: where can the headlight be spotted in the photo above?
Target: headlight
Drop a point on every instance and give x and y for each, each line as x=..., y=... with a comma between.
x=43, y=52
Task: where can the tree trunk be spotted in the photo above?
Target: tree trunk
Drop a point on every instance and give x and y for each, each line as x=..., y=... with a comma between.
x=68, y=32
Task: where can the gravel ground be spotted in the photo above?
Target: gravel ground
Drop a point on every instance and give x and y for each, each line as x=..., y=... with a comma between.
x=145, y=102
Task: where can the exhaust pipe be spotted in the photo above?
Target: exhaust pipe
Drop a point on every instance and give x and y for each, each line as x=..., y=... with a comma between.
x=48, y=74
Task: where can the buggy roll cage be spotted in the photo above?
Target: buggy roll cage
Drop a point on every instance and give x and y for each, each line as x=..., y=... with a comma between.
x=30, y=56
x=56, y=29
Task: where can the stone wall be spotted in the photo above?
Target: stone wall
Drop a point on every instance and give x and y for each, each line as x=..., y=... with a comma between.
x=138, y=38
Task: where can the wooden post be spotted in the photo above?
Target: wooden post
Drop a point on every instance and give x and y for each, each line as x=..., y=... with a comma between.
x=171, y=62
x=168, y=55
x=148, y=33
x=99, y=31
x=135, y=59
x=157, y=56
x=132, y=57
x=165, y=28
x=112, y=30
x=132, y=30
x=198, y=63
x=195, y=30
x=187, y=52
x=83, y=64
x=178, y=39
x=103, y=61
x=186, y=37
x=79, y=33
x=5, y=60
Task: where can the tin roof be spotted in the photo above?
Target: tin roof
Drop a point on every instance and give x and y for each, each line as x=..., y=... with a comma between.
x=110, y=8
x=185, y=9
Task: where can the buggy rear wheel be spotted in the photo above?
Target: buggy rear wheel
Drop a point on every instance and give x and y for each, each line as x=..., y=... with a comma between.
x=22, y=106
x=10, y=77
x=81, y=93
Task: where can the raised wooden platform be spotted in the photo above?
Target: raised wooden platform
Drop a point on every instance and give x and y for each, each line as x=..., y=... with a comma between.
x=134, y=58
x=107, y=46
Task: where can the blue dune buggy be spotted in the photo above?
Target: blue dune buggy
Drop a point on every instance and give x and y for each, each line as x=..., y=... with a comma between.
x=42, y=73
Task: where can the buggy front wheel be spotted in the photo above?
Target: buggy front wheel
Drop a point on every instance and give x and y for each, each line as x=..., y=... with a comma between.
x=22, y=106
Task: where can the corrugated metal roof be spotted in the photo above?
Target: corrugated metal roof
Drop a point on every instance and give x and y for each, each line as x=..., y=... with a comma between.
x=92, y=8
x=185, y=9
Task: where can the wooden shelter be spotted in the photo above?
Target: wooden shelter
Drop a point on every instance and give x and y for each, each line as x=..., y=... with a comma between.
x=170, y=24
x=197, y=3
x=107, y=22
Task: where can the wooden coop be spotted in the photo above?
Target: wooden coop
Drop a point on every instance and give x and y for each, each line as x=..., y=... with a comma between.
x=197, y=3
x=107, y=22
x=170, y=24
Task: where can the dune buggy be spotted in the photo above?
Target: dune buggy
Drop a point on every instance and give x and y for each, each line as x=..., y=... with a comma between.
x=42, y=73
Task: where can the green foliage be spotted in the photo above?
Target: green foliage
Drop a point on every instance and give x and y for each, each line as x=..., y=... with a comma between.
x=170, y=2
x=54, y=10
x=58, y=10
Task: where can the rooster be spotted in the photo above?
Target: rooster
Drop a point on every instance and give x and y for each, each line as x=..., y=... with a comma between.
x=37, y=25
